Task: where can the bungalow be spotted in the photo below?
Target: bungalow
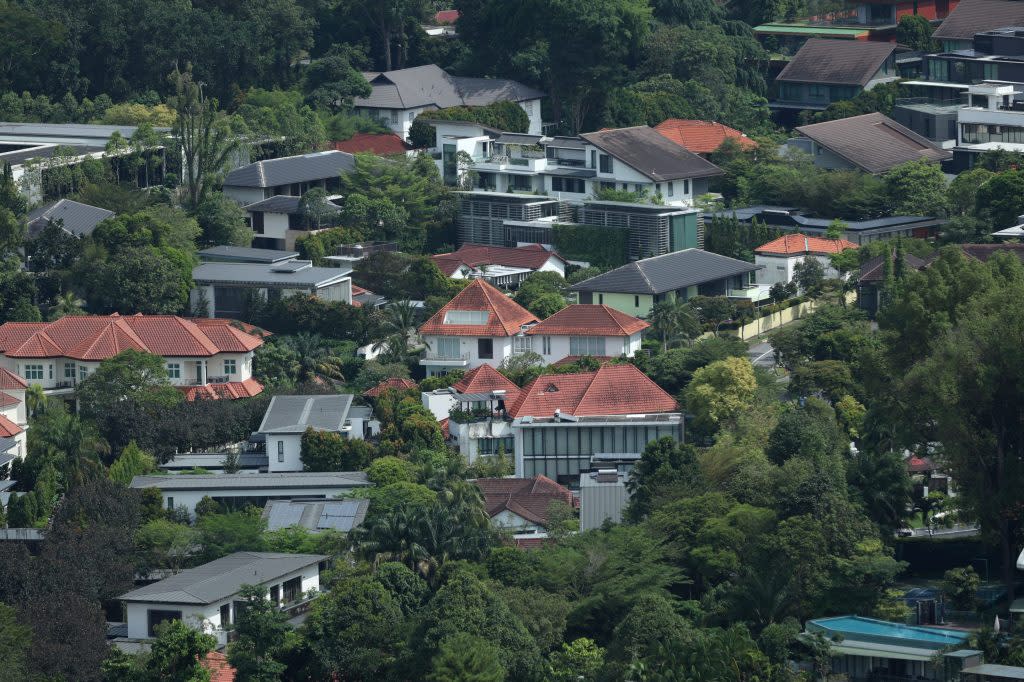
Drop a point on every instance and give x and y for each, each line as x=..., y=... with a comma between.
x=475, y=407
x=502, y=266
x=780, y=256
x=289, y=416
x=203, y=358
x=598, y=331
x=635, y=287
x=75, y=218
x=522, y=505
x=825, y=71
x=279, y=220
x=872, y=278
x=224, y=289
x=13, y=418
x=399, y=96
x=971, y=17
x=206, y=597
x=702, y=137
x=288, y=176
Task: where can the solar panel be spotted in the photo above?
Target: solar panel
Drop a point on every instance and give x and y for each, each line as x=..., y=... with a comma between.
x=284, y=515
x=339, y=515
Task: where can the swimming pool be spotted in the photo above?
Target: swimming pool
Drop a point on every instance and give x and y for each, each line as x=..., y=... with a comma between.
x=872, y=630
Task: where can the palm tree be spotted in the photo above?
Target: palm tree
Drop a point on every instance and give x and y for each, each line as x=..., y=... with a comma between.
x=316, y=358
x=399, y=321
x=35, y=400
x=67, y=304
x=673, y=319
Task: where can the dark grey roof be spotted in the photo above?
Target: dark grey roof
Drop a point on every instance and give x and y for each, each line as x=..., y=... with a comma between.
x=222, y=578
x=316, y=515
x=245, y=254
x=668, y=272
x=281, y=203
x=430, y=85
x=332, y=479
x=79, y=219
x=787, y=216
x=518, y=138
x=296, y=413
x=303, y=274
x=291, y=169
x=873, y=142
x=570, y=172
x=213, y=460
x=44, y=151
x=60, y=131
x=564, y=142
x=7, y=444
x=977, y=16
x=650, y=153
x=837, y=62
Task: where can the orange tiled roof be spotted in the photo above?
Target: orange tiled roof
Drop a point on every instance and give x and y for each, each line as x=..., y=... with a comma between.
x=585, y=319
x=220, y=669
x=445, y=428
x=231, y=390
x=531, y=256
x=393, y=383
x=381, y=144
x=701, y=137
x=447, y=16
x=485, y=379
x=7, y=400
x=8, y=428
x=612, y=389
x=794, y=244
x=529, y=498
x=98, y=337
x=505, y=316
x=11, y=381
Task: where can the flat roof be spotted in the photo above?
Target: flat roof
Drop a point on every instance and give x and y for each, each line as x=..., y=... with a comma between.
x=804, y=29
x=246, y=254
x=332, y=479
x=1006, y=672
x=252, y=274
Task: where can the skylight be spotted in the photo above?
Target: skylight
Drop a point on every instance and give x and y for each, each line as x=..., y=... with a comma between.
x=466, y=317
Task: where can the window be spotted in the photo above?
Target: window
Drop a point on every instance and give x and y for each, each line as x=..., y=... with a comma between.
x=574, y=185
x=33, y=372
x=231, y=367
x=292, y=590
x=607, y=185
x=257, y=223
x=593, y=159
x=606, y=163
x=225, y=615
x=528, y=106
x=600, y=299
x=280, y=451
x=156, y=617
x=686, y=186
x=83, y=372
x=69, y=370
x=818, y=91
x=586, y=345
x=412, y=116
x=170, y=503
x=522, y=344
x=485, y=349
x=173, y=370
x=636, y=301
x=275, y=594
x=671, y=189
x=546, y=345
x=50, y=367
x=466, y=317
x=494, y=446
x=448, y=347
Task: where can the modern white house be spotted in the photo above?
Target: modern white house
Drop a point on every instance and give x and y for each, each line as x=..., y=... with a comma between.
x=236, y=491
x=401, y=95
x=289, y=416
x=288, y=176
x=203, y=358
x=206, y=598
x=780, y=256
x=13, y=417
x=224, y=289
x=279, y=220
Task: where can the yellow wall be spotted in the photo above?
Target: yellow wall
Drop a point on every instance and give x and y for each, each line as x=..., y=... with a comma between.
x=627, y=303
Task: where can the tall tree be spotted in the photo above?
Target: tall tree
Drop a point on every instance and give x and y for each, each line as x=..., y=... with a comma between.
x=261, y=630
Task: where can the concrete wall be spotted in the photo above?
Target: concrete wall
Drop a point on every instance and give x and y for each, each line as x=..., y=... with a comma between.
x=614, y=346
x=440, y=403
x=284, y=452
x=190, y=498
x=245, y=195
x=602, y=501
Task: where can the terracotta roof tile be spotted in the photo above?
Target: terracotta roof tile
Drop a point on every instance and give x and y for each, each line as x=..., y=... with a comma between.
x=381, y=144
x=791, y=244
x=531, y=256
x=485, y=379
x=7, y=400
x=231, y=390
x=505, y=316
x=8, y=429
x=220, y=669
x=701, y=137
x=529, y=498
x=11, y=381
x=393, y=383
x=612, y=389
x=917, y=465
x=589, y=320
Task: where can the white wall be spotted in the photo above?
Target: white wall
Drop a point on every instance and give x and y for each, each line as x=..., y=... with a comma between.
x=340, y=291
x=781, y=268
x=469, y=345
x=614, y=346
x=553, y=264
x=468, y=435
x=275, y=226
x=532, y=109
x=506, y=519
x=439, y=402
x=290, y=444
x=190, y=498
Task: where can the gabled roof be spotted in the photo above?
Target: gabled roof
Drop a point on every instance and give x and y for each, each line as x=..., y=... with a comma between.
x=485, y=379
x=531, y=256
x=873, y=270
x=975, y=16
x=8, y=429
x=289, y=170
x=392, y=383
x=798, y=244
x=77, y=218
x=505, y=316
x=529, y=498
x=98, y=337
x=648, y=152
x=222, y=578
x=230, y=390
x=873, y=142
x=836, y=62
x=668, y=272
x=430, y=85
x=381, y=144
x=589, y=320
x=296, y=413
x=611, y=390
x=701, y=137
x=10, y=381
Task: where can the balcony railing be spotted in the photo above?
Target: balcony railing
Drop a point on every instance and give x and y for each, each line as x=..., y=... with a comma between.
x=65, y=383
x=571, y=163
x=444, y=356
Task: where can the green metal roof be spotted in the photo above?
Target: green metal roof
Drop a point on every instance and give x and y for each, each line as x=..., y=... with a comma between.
x=804, y=29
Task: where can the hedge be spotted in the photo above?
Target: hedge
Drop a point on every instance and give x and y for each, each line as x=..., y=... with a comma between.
x=600, y=246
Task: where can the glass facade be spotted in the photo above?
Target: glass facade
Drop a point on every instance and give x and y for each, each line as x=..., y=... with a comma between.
x=978, y=133
x=565, y=449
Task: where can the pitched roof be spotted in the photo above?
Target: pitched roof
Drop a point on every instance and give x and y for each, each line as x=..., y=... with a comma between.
x=791, y=244
x=381, y=144
x=918, y=465
x=648, y=152
x=98, y=337
x=701, y=137
x=668, y=272
x=7, y=400
x=446, y=16
x=230, y=390
x=222, y=578
x=220, y=669
x=836, y=62
x=873, y=142
x=505, y=316
x=611, y=390
x=873, y=269
x=430, y=85
x=975, y=16
x=296, y=413
x=485, y=379
x=589, y=320
x=77, y=218
x=982, y=252
x=532, y=256
x=391, y=383
x=8, y=429
x=289, y=170
x=316, y=515
x=529, y=498
x=10, y=381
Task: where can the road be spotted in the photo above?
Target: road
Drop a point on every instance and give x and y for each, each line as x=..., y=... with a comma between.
x=762, y=355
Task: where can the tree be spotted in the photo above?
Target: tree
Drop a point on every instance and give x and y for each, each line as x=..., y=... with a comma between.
x=809, y=275
x=130, y=463
x=203, y=135
x=15, y=641
x=961, y=586
x=223, y=221
x=239, y=531
x=464, y=657
x=673, y=319
x=261, y=630
x=578, y=661
x=664, y=465
x=332, y=81
x=542, y=293
x=315, y=208
x=53, y=248
x=130, y=375
x=326, y=451
x=164, y=544
x=387, y=470
x=176, y=653
x=145, y=279
x=651, y=620
x=1001, y=199
x=719, y=391
x=917, y=188
x=915, y=31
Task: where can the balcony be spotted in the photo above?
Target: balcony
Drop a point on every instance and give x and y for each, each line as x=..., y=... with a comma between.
x=444, y=359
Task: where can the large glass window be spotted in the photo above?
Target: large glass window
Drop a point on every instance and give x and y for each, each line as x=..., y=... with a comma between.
x=573, y=185
x=69, y=370
x=606, y=163
x=448, y=347
x=485, y=349
x=230, y=367
x=586, y=345
x=466, y=317
x=34, y=372
x=522, y=344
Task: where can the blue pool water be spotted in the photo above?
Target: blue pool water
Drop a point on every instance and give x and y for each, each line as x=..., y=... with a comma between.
x=855, y=625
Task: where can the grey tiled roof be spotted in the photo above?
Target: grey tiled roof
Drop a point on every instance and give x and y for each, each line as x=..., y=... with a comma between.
x=296, y=413
x=836, y=62
x=281, y=203
x=784, y=215
x=222, y=578
x=291, y=169
x=64, y=130
x=650, y=153
x=332, y=479
x=976, y=16
x=873, y=142
x=245, y=254
x=430, y=85
x=79, y=219
x=254, y=274
x=316, y=515
x=668, y=272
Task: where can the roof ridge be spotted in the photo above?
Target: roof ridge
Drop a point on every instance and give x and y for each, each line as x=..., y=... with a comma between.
x=586, y=392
